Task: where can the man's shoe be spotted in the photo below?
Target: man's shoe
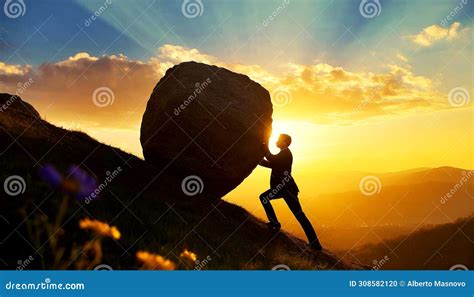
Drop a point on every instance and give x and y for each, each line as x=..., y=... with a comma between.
x=273, y=226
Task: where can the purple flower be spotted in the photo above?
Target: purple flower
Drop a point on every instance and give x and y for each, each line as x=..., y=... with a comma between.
x=50, y=175
x=78, y=183
x=86, y=184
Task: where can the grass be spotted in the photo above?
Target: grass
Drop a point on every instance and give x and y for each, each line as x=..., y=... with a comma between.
x=146, y=205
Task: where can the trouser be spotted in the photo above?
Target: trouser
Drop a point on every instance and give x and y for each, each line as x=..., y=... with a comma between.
x=293, y=203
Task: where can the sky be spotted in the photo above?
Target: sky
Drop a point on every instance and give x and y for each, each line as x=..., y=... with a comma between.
x=377, y=90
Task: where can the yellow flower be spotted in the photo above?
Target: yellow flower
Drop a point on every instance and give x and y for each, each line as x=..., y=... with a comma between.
x=154, y=261
x=187, y=255
x=100, y=228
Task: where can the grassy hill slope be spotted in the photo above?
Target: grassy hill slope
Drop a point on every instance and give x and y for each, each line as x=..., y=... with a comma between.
x=40, y=227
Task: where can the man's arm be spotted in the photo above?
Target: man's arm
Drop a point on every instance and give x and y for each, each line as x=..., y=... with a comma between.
x=268, y=156
x=265, y=163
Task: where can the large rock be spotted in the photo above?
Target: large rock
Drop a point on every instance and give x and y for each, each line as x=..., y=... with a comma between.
x=208, y=122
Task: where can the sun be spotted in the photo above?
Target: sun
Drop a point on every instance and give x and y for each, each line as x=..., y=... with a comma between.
x=291, y=128
x=273, y=139
x=307, y=137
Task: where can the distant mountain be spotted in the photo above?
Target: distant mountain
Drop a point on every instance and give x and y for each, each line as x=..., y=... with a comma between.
x=348, y=181
x=346, y=218
x=39, y=224
x=422, y=196
x=429, y=247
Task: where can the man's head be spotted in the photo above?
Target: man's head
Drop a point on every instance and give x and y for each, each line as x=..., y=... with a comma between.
x=284, y=141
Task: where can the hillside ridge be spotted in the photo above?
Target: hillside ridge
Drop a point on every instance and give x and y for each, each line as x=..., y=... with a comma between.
x=145, y=205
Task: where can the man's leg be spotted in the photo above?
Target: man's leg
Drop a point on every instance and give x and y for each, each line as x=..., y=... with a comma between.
x=265, y=199
x=295, y=207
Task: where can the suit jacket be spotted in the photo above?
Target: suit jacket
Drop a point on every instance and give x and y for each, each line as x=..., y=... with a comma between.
x=280, y=164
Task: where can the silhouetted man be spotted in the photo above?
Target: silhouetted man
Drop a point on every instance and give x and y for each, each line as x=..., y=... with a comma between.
x=282, y=185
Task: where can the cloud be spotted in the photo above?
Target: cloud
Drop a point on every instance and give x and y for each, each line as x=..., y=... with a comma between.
x=332, y=94
x=63, y=91
x=8, y=69
x=176, y=54
x=402, y=58
x=435, y=33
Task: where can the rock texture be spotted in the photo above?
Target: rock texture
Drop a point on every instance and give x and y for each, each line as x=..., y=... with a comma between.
x=208, y=122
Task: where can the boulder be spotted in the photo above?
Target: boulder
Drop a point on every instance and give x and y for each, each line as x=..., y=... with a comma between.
x=206, y=124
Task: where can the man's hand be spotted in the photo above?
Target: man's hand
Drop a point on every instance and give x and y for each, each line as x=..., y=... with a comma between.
x=265, y=163
x=265, y=148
